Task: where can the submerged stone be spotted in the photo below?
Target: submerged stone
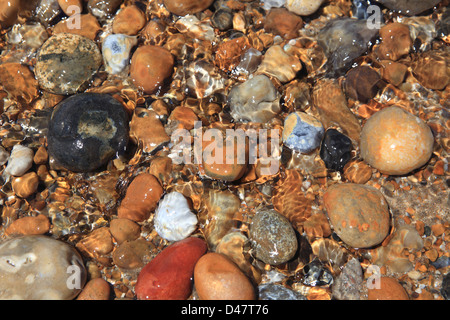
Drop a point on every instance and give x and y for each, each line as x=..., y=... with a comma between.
x=335, y=150
x=302, y=132
x=409, y=7
x=86, y=131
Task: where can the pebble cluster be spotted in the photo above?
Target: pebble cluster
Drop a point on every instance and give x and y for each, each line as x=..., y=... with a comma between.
x=96, y=205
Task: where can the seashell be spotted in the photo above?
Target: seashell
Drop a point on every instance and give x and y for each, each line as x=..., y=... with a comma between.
x=116, y=52
x=174, y=220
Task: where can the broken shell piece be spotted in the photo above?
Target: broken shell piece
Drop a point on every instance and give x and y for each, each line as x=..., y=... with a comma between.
x=174, y=220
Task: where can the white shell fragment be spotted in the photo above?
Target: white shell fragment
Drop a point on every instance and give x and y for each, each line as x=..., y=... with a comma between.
x=174, y=220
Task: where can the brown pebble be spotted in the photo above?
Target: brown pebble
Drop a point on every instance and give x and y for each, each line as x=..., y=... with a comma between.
x=390, y=289
x=89, y=26
x=357, y=171
x=420, y=227
x=393, y=72
x=97, y=244
x=141, y=198
x=25, y=185
x=184, y=116
x=41, y=156
x=362, y=83
x=29, y=226
x=218, y=278
x=124, y=229
x=161, y=167
x=70, y=6
x=130, y=20
x=438, y=229
x=184, y=7
x=95, y=289
x=8, y=12
x=131, y=254
x=395, y=41
x=282, y=22
x=147, y=130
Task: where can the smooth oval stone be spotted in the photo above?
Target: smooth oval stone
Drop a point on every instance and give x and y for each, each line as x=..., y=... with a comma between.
x=358, y=213
x=169, y=275
x=66, y=63
x=396, y=142
x=272, y=291
x=389, y=289
x=95, y=289
x=40, y=268
x=409, y=7
x=302, y=132
x=273, y=238
x=218, y=278
x=87, y=130
x=335, y=150
x=184, y=7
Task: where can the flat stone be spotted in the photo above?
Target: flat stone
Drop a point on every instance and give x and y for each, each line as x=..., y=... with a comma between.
x=25, y=185
x=66, y=63
x=358, y=214
x=29, y=226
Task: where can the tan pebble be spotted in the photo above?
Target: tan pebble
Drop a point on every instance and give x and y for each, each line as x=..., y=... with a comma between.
x=25, y=185
x=98, y=243
x=184, y=7
x=131, y=254
x=124, y=229
x=29, y=226
x=218, y=278
x=41, y=156
x=141, y=198
x=393, y=72
x=185, y=116
x=70, y=7
x=438, y=229
x=161, y=167
x=8, y=12
x=95, y=289
x=88, y=26
x=432, y=254
x=395, y=41
x=130, y=20
x=280, y=21
x=390, y=289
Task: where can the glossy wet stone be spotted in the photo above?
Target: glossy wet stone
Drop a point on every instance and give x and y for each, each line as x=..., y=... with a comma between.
x=129, y=21
x=222, y=19
x=279, y=64
x=141, y=198
x=273, y=238
x=302, y=132
x=316, y=274
x=281, y=22
x=255, y=100
x=274, y=291
x=89, y=26
x=169, y=275
x=8, y=12
x=36, y=268
x=39, y=224
x=409, y=7
x=345, y=39
x=25, y=185
x=116, y=50
x=395, y=41
x=393, y=72
x=303, y=7
x=70, y=7
x=103, y=9
x=66, y=63
x=20, y=160
x=396, y=142
x=358, y=214
x=389, y=289
x=218, y=278
x=86, y=131
x=95, y=289
x=432, y=69
x=184, y=7
x=19, y=81
x=362, y=83
x=124, y=229
x=335, y=150
x=150, y=66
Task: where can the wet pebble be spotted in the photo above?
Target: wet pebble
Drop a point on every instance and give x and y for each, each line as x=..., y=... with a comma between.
x=277, y=63
x=280, y=21
x=124, y=229
x=395, y=41
x=222, y=19
x=141, y=198
x=86, y=131
x=335, y=150
x=303, y=7
x=432, y=69
x=89, y=27
x=316, y=274
x=359, y=214
x=409, y=7
x=103, y=9
x=66, y=63
x=445, y=291
x=357, y=171
x=29, y=226
x=184, y=7
x=40, y=268
x=389, y=289
x=273, y=239
x=218, y=278
x=69, y=7
x=396, y=142
x=8, y=12
x=19, y=81
x=25, y=185
x=362, y=83
x=132, y=254
x=97, y=244
x=150, y=66
x=272, y=291
x=147, y=130
x=95, y=289
x=255, y=100
x=129, y=21
x=20, y=160
x=4, y=156
x=169, y=275
x=349, y=285
x=116, y=50
x=174, y=220
x=302, y=132
x=393, y=72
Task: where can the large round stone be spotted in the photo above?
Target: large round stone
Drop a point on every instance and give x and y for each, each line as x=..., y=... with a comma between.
x=66, y=63
x=40, y=268
x=86, y=131
x=396, y=142
x=359, y=214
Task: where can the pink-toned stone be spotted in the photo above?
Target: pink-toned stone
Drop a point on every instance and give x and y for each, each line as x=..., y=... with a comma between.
x=169, y=275
x=95, y=289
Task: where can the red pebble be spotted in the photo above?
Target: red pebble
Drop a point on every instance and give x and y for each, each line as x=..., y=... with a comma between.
x=169, y=275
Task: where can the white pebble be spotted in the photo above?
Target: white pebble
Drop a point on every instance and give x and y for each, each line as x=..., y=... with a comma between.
x=20, y=161
x=303, y=7
x=116, y=50
x=174, y=220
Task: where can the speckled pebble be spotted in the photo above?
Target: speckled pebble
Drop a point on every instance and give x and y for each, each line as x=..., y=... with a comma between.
x=302, y=132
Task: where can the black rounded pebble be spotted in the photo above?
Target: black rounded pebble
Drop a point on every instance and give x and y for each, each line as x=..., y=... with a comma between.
x=335, y=150
x=222, y=19
x=86, y=131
